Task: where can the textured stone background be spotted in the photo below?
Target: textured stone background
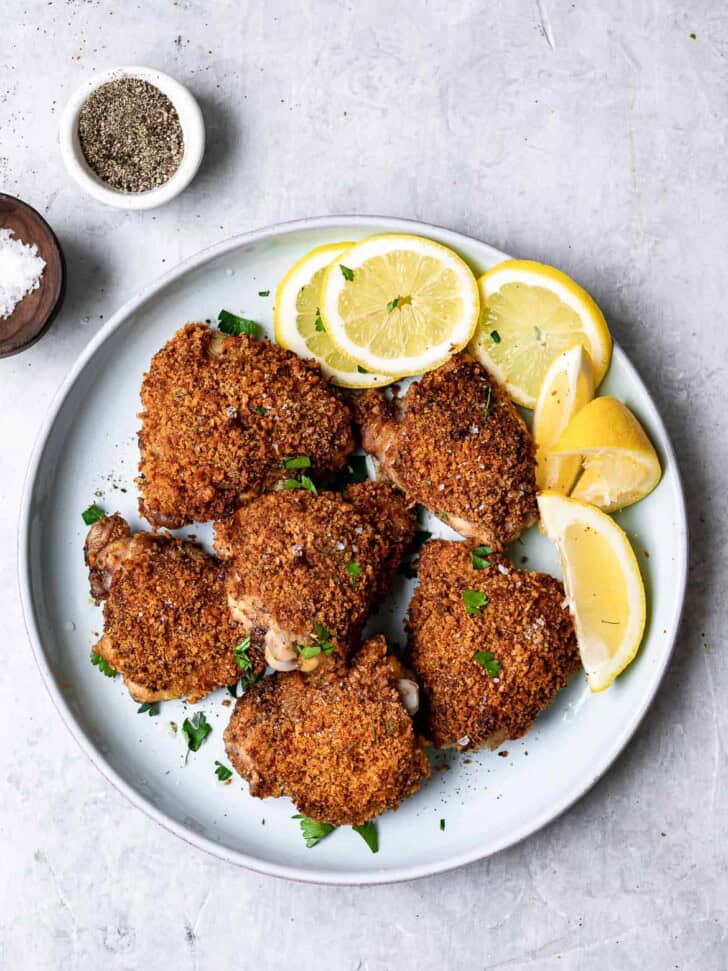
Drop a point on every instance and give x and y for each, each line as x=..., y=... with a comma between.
x=588, y=134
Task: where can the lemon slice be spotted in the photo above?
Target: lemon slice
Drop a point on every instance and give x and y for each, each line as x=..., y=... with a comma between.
x=399, y=305
x=299, y=328
x=531, y=313
x=566, y=388
x=620, y=463
x=603, y=585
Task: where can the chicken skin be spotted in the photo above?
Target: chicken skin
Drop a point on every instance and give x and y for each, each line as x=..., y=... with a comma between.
x=167, y=627
x=456, y=444
x=491, y=647
x=220, y=415
x=342, y=744
x=306, y=570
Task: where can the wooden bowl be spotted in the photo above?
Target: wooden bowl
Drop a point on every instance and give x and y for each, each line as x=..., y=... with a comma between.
x=35, y=312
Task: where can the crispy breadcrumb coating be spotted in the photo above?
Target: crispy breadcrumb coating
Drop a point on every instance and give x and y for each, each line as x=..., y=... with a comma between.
x=457, y=445
x=220, y=414
x=167, y=627
x=340, y=744
x=300, y=560
x=526, y=626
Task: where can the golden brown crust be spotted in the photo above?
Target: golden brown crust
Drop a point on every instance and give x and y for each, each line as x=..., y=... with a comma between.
x=341, y=745
x=293, y=552
x=167, y=627
x=525, y=625
x=220, y=414
x=457, y=445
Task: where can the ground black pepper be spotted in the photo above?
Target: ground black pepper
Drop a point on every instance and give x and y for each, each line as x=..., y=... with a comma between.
x=131, y=134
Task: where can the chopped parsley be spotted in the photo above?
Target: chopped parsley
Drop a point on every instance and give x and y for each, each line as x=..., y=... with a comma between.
x=442, y=824
x=392, y=304
x=260, y=410
x=318, y=322
x=222, y=771
x=148, y=708
x=297, y=462
x=196, y=731
x=495, y=337
x=490, y=663
x=444, y=516
x=241, y=654
x=368, y=832
x=93, y=514
x=232, y=324
x=103, y=665
x=321, y=642
x=263, y=293
x=486, y=409
x=428, y=482
x=474, y=601
x=303, y=483
x=354, y=570
x=693, y=37
x=346, y=272
x=312, y=831
x=361, y=370
x=479, y=556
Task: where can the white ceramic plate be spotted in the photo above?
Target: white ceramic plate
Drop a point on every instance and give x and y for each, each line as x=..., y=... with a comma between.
x=89, y=446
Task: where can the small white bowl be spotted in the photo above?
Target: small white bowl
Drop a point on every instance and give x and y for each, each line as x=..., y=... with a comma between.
x=193, y=129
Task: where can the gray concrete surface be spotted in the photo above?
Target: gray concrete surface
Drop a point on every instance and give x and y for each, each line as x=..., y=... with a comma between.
x=591, y=135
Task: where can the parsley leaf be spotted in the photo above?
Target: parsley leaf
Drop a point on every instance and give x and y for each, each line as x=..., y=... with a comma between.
x=354, y=570
x=303, y=483
x=347, y=273
x=479, y=556
x=297, y=462
x=474, y=600
x=93, y=514
x=196, y=731
x=241, y=654
x=148, y=708
x=495, y=337
x=323, y=638
x=260, y=410
x=222, y=771
x=263, y=293
x=486, y=409
x=318, y=322
x=490, y=663
x=392, y=304
x=232, y=324
x=312, y=831
x=103, y=665
x=442, y=824
x=368, y=832
x=361, y=370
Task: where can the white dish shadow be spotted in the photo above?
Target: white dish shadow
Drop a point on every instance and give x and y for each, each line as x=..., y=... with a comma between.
x=88, y=445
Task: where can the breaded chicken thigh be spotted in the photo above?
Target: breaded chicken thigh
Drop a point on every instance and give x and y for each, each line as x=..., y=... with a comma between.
x=220, y=415
x=341, y=744
x=167, y=627
x=491, y=647
x=456, y=444
x=306, y=570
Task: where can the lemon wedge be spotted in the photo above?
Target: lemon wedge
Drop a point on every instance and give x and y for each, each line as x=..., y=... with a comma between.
x=603, y=585
x=298, y=325
x=399, y=304
x=567, y=386
x=531, y=313
x=620, y=462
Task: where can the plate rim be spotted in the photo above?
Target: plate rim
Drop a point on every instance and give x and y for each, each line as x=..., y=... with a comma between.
x=346, y=877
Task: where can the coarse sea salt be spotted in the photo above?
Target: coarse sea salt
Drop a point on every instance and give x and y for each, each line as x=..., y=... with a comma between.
x=21, y=270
